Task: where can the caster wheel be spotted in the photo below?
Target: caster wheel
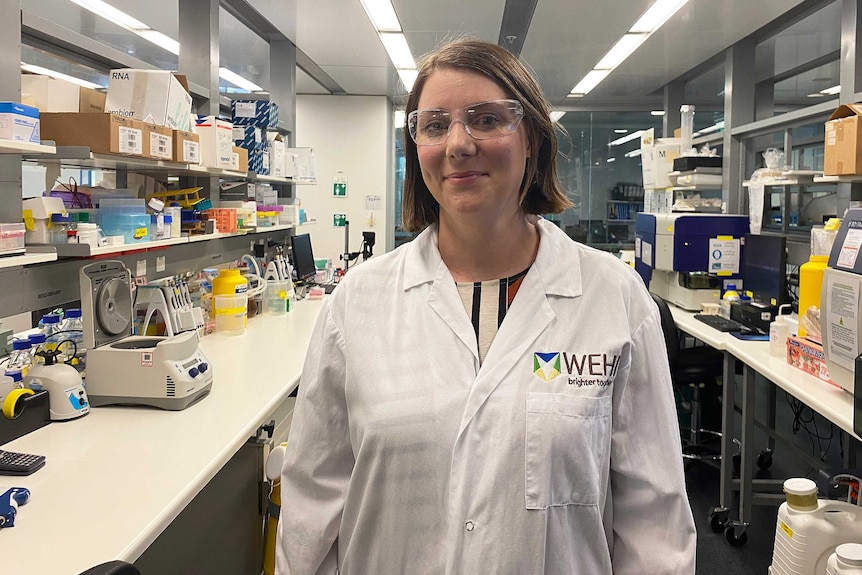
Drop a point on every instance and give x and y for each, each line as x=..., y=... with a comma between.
x=735, y=535
x=764, y=460
x=717, y=519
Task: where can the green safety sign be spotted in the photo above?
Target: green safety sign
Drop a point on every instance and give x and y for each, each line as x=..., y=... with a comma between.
x=339, y=189
x=339, y=220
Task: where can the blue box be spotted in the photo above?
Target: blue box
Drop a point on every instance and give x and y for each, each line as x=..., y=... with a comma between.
x=258, y=113
x=249, y=137
x=19, y=123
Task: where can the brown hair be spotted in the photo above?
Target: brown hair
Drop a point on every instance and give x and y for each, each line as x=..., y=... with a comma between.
x=541, y=191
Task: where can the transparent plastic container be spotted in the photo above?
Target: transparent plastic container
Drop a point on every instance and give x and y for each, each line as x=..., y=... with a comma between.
x=21, y=357
x=60, y=226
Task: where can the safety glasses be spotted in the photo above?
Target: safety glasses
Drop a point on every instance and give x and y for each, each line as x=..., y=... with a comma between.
x=483, y=121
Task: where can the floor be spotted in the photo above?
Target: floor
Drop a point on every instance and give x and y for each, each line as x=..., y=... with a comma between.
x=714, y=555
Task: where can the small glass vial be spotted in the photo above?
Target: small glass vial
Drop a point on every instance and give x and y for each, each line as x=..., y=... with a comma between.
x=20, y=358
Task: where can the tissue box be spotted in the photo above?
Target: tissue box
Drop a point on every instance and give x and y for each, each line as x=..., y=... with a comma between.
x=808, y=356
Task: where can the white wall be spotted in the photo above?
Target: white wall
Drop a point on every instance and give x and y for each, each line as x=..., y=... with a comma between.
x=351, y=134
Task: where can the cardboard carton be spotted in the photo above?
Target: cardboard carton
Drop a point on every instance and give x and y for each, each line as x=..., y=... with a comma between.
x=657, y=156
x=239, y=159
x=19, y=123
x=158, y=142
x=54, y=95
x=843, y=148
x=187, y=147
x=155, y=96
x=260, y=113
x=216, y=139
x=102, y=133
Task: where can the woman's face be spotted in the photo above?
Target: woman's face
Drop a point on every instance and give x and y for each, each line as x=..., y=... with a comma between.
x=471, y=179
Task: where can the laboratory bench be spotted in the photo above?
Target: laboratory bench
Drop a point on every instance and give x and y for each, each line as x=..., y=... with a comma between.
x=171, y=491
x=829, y=400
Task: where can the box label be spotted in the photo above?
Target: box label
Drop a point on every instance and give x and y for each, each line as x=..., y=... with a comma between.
x=191, y=152
x=245, y=110
x=160, y=146
x=131, y=141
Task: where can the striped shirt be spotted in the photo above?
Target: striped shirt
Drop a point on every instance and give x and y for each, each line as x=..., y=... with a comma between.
x=487, y=303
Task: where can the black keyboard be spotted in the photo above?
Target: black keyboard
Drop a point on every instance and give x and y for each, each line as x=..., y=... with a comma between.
x=719, y=323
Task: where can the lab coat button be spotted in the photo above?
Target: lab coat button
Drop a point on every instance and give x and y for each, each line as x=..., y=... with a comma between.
x=469, y=526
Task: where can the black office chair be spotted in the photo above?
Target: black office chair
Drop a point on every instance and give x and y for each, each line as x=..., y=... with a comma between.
x=699, y=369
x=113, y=568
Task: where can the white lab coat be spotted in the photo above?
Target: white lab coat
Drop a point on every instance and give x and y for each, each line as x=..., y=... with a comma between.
x=407, y=458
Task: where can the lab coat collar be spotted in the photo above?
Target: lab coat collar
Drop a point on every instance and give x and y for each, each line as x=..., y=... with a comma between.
x=559, y=271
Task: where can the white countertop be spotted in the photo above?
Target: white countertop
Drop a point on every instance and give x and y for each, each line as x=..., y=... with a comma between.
x=828, y=400
x=117, y=477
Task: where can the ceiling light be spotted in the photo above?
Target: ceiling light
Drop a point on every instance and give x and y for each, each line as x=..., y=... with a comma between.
x=408, y=77
x=108, y=12
x=633, y=153
x=816, y=95
x=382, y=15
x=556, y=115
x=621, y=50
x=621, y=131
x=831, y=91
x=160, y=39
x=590, y=81
x=46, y=72
x=657, y=113
x=238, y=80
x=609, y=160
x=656, y=15
x=398, y=50
x=627, y=138
x=399, y=118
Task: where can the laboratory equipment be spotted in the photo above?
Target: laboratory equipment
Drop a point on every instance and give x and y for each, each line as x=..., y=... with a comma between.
x=683, y=258
x=764, y=271
x=809, y=529
x=171, y=298
x=846, y=560
x=9, y=502
x=840, y=320
x=160, y=371
x=66, y=393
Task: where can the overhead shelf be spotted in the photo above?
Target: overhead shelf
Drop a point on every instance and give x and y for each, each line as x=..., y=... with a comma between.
x=34, y=255
x=12, y=147
x=82, y=157
x=837, y=179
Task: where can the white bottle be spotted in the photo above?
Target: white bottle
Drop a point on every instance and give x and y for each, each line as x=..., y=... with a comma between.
x=779, y=330
x=846, y=560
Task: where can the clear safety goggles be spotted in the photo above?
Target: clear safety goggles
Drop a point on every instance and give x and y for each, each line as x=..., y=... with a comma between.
x=483, y=121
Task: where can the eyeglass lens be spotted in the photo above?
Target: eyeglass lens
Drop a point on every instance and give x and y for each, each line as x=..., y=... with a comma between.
x=482, y=121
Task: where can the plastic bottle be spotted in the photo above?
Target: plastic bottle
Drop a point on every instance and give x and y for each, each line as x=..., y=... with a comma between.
x=846, y=560
x=20, y=358
x=60, y=226
x=779, y=330
x=50, y=329
x=810, y=282
x=230, y=303
x=17, y=377
x=37, y=344
x=730, y=296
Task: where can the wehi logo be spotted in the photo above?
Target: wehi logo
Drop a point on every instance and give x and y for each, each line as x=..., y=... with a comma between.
x=585, y=369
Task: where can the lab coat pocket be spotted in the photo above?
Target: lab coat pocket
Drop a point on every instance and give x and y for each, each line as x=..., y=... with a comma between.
x=566, y=449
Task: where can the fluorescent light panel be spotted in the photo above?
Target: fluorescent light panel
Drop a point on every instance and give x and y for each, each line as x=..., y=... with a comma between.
x=398, y=50
x=621, y=131
x=46, y=72
x=382, y=15
x=831, y=91
x=621, y=50
x=108, y=12
x=627, y=138
x=609, y=160
x=656, y=15
x=633, y=153
x=408, y=77
x=590, y=81
x=710, y=129
x=238, y=80
x=657, y=113
x=556, y=115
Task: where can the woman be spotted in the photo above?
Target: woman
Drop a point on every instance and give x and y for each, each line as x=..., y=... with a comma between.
x=491, y=397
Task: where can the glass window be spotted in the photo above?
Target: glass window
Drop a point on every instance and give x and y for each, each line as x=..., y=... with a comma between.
x=242, y=52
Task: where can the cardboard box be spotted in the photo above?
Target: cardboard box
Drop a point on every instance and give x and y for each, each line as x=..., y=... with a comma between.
x=657, y=156
x=300, y=164
x=249, y=137
x=158, y=142
x=808, y=356
x=155, y=96
x=187, y=147
x=19, y=123
x=102, y=133
x=260, y=113
x=276, y=151
x=843, y=148
x=216, y=140
x=239, y=159
x=53, y=95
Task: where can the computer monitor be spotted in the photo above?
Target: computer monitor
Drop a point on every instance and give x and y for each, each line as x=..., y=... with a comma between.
x=764, y=268
x=302, y=257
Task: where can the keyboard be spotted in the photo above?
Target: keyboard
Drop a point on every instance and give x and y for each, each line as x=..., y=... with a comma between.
x=719, y=323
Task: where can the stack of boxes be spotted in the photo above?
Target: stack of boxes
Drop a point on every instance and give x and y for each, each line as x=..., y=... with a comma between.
x=251, y=119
